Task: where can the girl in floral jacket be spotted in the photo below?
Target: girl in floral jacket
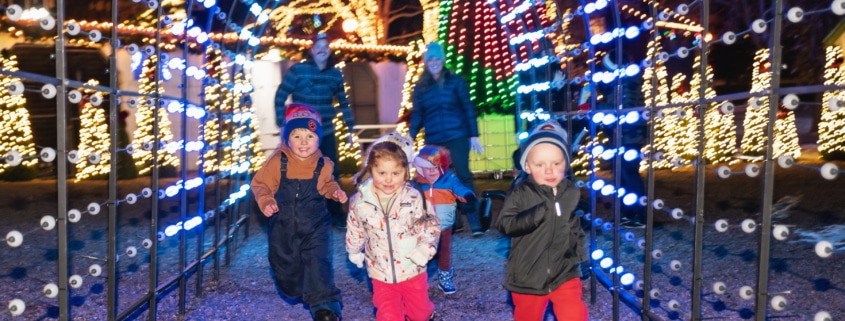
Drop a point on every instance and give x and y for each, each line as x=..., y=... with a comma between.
x=394, y=233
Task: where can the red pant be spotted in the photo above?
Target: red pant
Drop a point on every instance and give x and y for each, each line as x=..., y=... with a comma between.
x=444, y=260
x=566, y=302
x=406, y=300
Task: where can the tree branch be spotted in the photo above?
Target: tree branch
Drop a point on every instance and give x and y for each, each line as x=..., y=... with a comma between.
x=416, y=9
x=395, y=39
x=402, y=15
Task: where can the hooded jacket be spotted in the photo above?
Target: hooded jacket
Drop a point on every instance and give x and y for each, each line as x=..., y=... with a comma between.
x=547, y=241
x=397, y=242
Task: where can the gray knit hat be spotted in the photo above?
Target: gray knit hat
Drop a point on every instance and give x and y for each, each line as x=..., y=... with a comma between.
x=547, y=132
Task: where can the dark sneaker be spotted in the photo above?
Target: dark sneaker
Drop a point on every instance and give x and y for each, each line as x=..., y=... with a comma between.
x=325, y=315
x=633, y=224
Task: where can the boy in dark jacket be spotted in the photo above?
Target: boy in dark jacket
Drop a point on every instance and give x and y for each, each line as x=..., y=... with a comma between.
x=547, y=242
x=291, y=189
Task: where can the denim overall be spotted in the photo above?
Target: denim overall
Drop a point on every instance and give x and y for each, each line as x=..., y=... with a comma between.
x=300, y=243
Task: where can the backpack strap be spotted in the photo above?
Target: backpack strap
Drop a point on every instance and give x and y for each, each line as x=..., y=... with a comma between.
x=319, y=168
x=284, y=166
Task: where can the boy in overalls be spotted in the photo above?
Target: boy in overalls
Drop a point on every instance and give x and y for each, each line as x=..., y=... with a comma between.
x=291, y=189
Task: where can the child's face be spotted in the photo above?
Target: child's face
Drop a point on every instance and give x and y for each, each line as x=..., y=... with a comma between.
x=431, y=174
x=303, y=143
x=388, y=176
x=546, y=164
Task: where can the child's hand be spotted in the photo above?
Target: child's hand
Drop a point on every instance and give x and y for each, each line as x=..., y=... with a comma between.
x=270, y=209
x=357, y=259
x=339, y=195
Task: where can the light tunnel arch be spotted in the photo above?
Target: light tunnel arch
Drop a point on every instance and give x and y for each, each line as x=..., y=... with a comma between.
x=229, y=198
x=243, y=48
x=652, y=22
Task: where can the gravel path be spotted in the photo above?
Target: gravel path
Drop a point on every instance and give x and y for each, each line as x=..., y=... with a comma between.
x=244, y=290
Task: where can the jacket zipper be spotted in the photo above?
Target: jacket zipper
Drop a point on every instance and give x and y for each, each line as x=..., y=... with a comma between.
x=554, y=235
x=389, y=243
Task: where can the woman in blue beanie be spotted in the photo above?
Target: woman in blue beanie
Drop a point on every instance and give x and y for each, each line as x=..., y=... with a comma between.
x=442, y=106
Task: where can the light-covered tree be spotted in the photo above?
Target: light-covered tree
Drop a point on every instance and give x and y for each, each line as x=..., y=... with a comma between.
x=15, y=127
x=144, y=119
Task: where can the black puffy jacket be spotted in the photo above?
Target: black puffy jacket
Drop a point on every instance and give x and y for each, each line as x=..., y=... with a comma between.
x=547, y=241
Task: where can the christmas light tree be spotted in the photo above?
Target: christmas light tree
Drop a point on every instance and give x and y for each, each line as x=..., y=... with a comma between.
x=581, y=161
x=412, y=75
x=719, y=129
x=786, y=134
x=93, y=137
x=144, y=119
x=681, y=125
x=477, y=48
x=663, y=125
x=832, y=124
x=431, y=15
x=15, y=128
x=255, y=151
x=756, y=116
x=308, y=17
x=218, y=98
x=245, y=146
x=349, y=150
x=754, y=124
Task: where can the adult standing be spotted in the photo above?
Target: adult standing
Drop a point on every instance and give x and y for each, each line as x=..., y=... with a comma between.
x=442, y=106
x=316, y=82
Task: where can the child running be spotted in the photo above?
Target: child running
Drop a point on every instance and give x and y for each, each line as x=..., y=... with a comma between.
x=393, y=232
x=291, y=189
x=547, y=242
x=443, y=189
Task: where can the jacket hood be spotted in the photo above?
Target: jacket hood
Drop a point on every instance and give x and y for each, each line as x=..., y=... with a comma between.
x=367, y=195
x=434, y=156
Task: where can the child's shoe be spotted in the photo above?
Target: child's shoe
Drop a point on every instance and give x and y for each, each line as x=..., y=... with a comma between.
x=325, y=315
x=445, y=281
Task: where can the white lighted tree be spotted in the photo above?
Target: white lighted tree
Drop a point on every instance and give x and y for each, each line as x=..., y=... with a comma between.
x=719, y=128
x=144, y=118
x=756, y=116
x=15, y=127
x=832, y=124
x=93, y=136
x=663, y=142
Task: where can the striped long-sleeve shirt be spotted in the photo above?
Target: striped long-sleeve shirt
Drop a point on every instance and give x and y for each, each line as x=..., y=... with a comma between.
x=317, y=88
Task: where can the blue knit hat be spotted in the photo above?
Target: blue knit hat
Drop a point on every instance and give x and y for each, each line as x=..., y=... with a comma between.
x=301, y=116
x=434, y=50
